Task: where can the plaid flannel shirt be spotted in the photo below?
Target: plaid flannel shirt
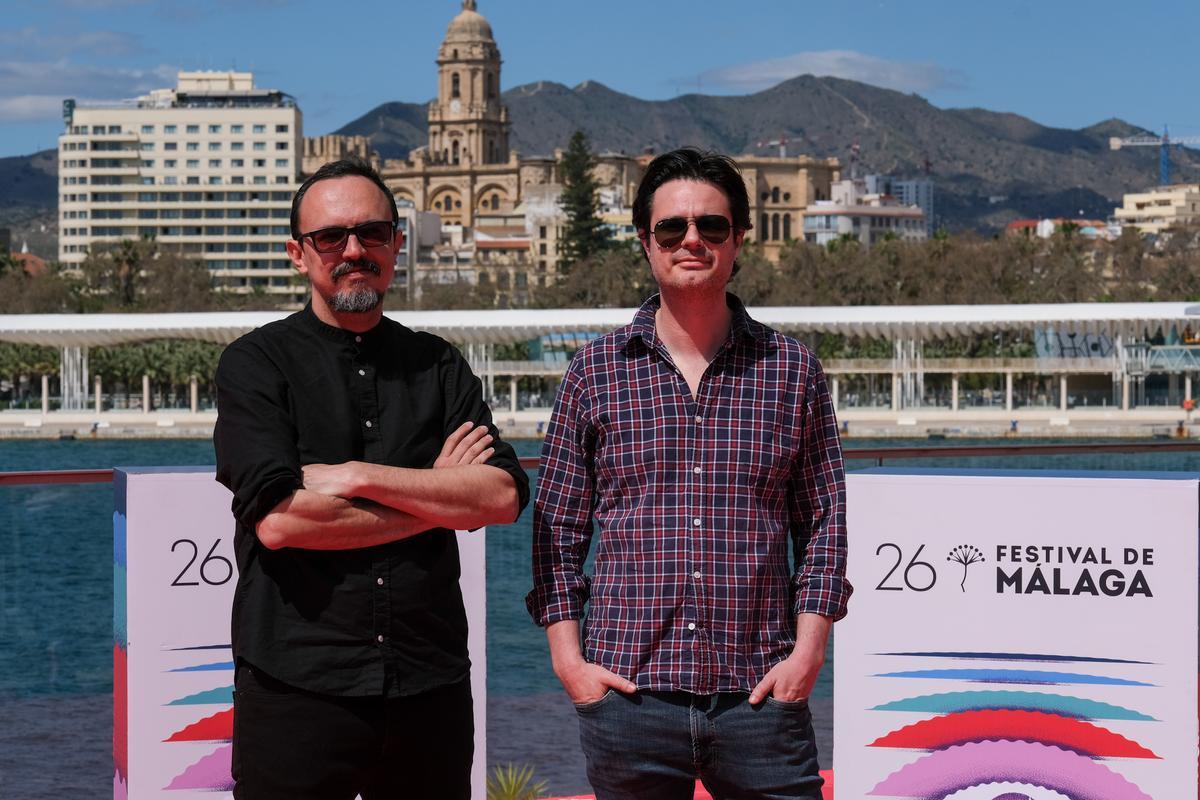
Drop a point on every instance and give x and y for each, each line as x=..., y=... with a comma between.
x=696, y=500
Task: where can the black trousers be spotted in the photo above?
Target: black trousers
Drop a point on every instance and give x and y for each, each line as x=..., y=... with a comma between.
x=289, y=744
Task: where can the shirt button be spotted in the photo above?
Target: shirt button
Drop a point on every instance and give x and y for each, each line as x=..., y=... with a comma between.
x=379, y=581
x=696, y=470
x=699, y=418
x=362, y=372
x=379, y=638
x=691, y=627
x=368, y=423
x=696, y=574
x=696, y=522
x=359, y=339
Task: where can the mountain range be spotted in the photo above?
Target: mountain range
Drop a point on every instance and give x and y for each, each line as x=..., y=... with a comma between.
x=988, y=167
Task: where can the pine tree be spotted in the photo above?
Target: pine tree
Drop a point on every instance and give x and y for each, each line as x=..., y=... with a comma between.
x=585, y=234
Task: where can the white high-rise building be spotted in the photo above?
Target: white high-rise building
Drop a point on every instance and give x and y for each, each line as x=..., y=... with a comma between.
x=208, y=169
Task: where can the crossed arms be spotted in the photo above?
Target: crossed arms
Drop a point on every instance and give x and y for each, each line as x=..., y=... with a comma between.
x=356, y=504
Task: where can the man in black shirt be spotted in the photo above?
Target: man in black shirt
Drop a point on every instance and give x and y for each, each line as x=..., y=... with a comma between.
x=353, y=447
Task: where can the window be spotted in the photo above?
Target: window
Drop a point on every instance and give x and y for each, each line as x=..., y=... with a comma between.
x=787, y=226
x=193, y=163
x=237, y=179
x=281, y=145
x=281, y=162
x=147, y=129
x=114, y=128
x=542, y=232
x=237, y=146
x=192, y=147
x=281, y=128
x=454, y=85
x=260, y=128
x=260, y=179
x=193, y=180
x=764, y=225
x=146, y=146
x=171, y=146
x=193, y=128
x=214, y=146
x=215, y=180
x=236, y=128
x=214, y=128
x=775, y=195
x=237, y=162
x=260, y=162
x=260, y=145
x=169, y=128
x=147, y=162
x=282, y=179
x=214, y=162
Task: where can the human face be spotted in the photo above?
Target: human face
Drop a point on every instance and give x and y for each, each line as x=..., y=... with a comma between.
x=695, y=264
x=351, y=282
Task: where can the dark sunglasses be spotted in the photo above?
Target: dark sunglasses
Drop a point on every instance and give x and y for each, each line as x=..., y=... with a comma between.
x=333, y=240
x=671, y=231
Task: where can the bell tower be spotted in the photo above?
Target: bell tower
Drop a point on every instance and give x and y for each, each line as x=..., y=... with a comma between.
x=467, y=124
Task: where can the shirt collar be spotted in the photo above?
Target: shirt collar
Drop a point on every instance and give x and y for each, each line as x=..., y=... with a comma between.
x=741, y=327
x=309, y=319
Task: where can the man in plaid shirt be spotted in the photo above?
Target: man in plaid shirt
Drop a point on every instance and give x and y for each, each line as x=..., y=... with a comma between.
x=702, y=444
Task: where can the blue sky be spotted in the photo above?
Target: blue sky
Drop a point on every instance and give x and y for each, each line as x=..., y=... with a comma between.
x=1064, y=63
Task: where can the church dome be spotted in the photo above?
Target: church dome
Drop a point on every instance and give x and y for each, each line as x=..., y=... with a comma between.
x=469, y=26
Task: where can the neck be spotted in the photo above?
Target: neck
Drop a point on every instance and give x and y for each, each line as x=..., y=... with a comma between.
x=355, y=323
x=693, y=323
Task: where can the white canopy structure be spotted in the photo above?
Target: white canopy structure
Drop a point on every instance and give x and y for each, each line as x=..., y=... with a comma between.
x=1124, y=325
x=1125, y=320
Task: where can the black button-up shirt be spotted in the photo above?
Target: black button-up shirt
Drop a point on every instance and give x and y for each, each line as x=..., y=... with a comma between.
x=376, y=620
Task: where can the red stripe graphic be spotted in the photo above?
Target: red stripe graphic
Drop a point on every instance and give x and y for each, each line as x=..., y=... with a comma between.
x=1001, y=724
x=216, y=728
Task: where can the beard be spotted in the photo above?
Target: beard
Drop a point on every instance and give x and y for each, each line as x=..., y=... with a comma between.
x=355, y=299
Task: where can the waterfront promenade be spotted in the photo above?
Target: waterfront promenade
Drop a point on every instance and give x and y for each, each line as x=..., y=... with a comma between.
x=875, y=422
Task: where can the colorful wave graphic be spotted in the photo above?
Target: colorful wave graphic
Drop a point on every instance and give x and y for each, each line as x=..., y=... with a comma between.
x=222, y=695
x=961, y=727
x=1044, y=657
x=210, y=774
x=1064, y=705
x=213, y=667
x=1028, y=676
x=217, y=727
x=963, y=766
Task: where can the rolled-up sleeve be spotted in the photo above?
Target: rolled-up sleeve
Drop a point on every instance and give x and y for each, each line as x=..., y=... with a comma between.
x=817, y=504
x=562, y=509
x=255, y=437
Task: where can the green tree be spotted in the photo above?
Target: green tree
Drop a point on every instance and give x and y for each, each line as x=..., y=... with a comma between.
x=615, y=278
x=585, y=234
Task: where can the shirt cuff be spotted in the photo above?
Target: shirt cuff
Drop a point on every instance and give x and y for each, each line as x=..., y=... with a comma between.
x=826, y=595
x=546, y=608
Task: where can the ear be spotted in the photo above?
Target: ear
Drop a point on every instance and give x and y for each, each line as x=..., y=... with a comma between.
x=295, y=251
x=398, y=242
x=739, y=235
x=644, y=240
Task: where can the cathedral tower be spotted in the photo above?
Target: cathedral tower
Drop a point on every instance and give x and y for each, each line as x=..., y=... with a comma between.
x=467, y=124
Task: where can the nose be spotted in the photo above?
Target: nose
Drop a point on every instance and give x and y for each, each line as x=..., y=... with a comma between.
x=692, y=238
x=353, y=249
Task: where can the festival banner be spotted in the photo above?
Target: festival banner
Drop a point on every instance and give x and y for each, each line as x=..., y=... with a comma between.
x=1026, y=636
x=174, y=577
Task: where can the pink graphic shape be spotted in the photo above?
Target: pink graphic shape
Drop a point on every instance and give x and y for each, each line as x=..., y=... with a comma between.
x=211, y=773
x=961, y=766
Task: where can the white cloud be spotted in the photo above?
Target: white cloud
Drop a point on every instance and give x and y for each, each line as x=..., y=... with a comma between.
x=31, y=90
x=899, y=75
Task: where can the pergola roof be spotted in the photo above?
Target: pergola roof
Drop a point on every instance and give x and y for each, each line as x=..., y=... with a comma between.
x=502, y=326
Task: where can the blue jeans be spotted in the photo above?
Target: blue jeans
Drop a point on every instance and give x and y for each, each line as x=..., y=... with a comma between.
x=654, y=745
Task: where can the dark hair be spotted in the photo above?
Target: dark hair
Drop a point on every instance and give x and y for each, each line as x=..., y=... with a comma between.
x=340, y=169
x=690, y=164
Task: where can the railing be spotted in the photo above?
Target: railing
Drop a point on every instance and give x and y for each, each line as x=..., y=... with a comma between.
x=879, y=455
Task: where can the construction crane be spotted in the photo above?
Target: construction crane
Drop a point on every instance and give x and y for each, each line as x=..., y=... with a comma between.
x=1163, y=143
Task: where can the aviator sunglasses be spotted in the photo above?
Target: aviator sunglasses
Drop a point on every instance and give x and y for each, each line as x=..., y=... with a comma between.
x=333, y=239
x=714, y=228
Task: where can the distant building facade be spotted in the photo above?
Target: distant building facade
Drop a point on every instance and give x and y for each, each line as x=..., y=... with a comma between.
x=1154, y=211
x=909, y=192
x=866, y=216
x=207, y=169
